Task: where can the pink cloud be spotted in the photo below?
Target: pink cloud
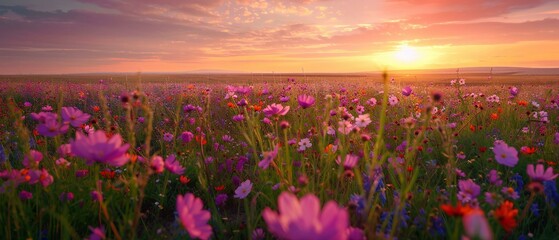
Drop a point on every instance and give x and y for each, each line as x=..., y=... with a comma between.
x=436, y=11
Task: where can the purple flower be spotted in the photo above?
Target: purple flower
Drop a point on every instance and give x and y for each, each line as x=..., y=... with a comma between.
x=304, y=219
x=469, y=190
x=74, y=116
x=51, y=127
x=96, y=147
x=193, y=217
x=556, y=139
x=513, y=91
x=97, y=233
x=220, y=199
x=96, y=196
x=41, y=176
x=305, y=101
x=187, y=136
x=173, y=166
x=25, y=195
x=238, y=118
x=32, y=159
x=167, y=137
x=504, y=154
x=406, y=91
x=243, y=190
x=493, y=177
x=510, y=192
x=539, y=174
x=268, y=158
x=275, y=110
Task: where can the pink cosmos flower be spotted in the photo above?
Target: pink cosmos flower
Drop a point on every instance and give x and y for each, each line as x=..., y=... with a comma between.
x=305, y=101
x=469, y=190
x=304, y=219
x=504, y=154
x=406, y=91
x=476, y=225
x=32, y=159
x=74, y=116
x=268, y=158
x=538, y=174
x=156, y=164
x=243, y=190
x=275, y=110
x=41, y=176
x=173, y=166
x=193, y=217
x=51, y=127
x=97, y=233
x=350, y=161
x=96, y=147
x=65, y=150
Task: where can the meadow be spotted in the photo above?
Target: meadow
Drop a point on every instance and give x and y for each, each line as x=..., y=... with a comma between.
x=279, y=156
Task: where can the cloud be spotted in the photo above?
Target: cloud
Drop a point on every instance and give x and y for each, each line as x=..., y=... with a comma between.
x=437, y=11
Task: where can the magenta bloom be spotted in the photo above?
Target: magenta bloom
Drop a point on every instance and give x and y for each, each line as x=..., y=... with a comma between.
x=32, y=159
x=406, y=91
x=304, y=219
x=350, y=161
x=193, y=218
x=42, y=176
x=25, y=195
x=74, y=116
x=504, y=154
x=513, y=91
x=52, y=127
x=97, y=233
x=173, y=166
x=187, y=136
x=476, y=225
x=96, y=147
x=156, y=164
x=65, y=150
x=268, y=158
x=275, y=110
x=539, y=174
x=469, y=190
x=42, y=116
x=305, y=101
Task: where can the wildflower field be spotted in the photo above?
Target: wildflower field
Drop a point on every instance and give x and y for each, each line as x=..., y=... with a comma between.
x=279, y=157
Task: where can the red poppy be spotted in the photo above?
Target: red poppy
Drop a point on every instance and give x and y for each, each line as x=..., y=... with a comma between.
x=506, y=215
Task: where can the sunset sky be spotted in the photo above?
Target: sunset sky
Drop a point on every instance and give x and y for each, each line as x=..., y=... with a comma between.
x=70, y=36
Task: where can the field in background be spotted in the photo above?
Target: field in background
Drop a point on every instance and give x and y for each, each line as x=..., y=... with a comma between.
x=418, y=157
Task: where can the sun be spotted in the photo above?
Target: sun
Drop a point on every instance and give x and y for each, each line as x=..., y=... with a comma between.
x=407, y=54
